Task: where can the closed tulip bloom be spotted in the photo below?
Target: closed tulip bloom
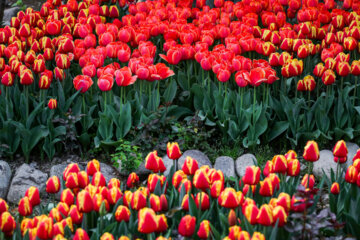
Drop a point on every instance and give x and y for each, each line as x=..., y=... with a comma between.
x=122, y=214
x=147, y=221
x=204, y=229
x=124, y=77
x=93, y=166
x=55, y=215
x=280, y=215
x=232, y=219
x=319, y=70
x=355, y=68
x=138, y=200
x=308, y=181
x=67, y=197
x=328, y=77
x=340, y=150
x=59, y=74
x=81, y=234
x=25, y=207
x=84, y=202
x=3, y=206
x=7, y=223
x=335, y=188
x=173, y=150
x=186, y=226
x=234, y=232
x=45, y=228
x=201, y=179
x=203, y=199
x=265, y=215
x=98, y=179
x=185, y=202
x=343, y=69
x=311, y=151
x=113, y=196
x=293, y=168
x=279, y=164
x=229, y=198
x=190, y=166
x=82, y=83
x=216, y=188
x=26, y=77
x=258, y=236
x=266, y=188
x=89, y=70
x=350, y=43
x=72, y=181
x=252, y=175
x=52, y=104
x=83, y=179
x=114, y=183
x=154, y=163
x=351, y=174
x=269, y=168
x=53, y=185
x=98, y=200
x=251, y=212
x=107, y=236
x=75, y=215
x=132, y=180
x=34, y=195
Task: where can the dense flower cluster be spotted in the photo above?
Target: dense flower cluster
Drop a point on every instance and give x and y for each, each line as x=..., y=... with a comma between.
x=192, y=193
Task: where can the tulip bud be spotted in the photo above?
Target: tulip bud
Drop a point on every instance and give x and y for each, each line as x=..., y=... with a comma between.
x=252, y=175
x=202, y=201
x=229, y=198
x=52, y=104
x=293, y=168
x=81, y=234
x=154, y=163
x=147, y=221
x=335, y=188
x=3, y=206
x=308, y=181
x=155, y=203
x=132, y=180
x=52, y=185
x=340, y=150
x=173, y=150
x=107, y=236
x=266, y=188
x=162, y=223
x=311, y=151
x=138, y=200
x=190, y=166
x=204, y=229
x=7, y=223
x=34, y=195
x=186, y=226
x=122, y=213
x=279, y=164
x=201, y=179
x=84, y=202
x=351, y=174
x=251, y=212
x=25, y=207
x=67, y=197
x=98, y=179
x=45, y=228
x=232, y=219
x=265, y=215
x=75, y=215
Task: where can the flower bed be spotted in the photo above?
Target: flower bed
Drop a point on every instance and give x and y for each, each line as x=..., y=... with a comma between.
x=194, y=202
x=253, y=70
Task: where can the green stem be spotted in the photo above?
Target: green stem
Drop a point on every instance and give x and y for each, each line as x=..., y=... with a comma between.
x=27, y=101
x=254, y=101
x=356, y=80
x=342, y=83
x=84, y=111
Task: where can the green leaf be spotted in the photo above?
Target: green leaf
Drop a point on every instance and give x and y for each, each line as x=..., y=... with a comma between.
x=170, y=91
x=278, y=129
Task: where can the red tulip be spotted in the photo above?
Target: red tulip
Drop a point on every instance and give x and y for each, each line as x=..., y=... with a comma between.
x=82, y=83
x=186, y=226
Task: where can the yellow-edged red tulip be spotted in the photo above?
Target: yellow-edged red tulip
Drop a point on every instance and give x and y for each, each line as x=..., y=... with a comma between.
x=98, y=200
x=122, y=213
x=114, y=195
x=84, y=202
x=75, y=215
x=52, y=104
x=204, y=229
x=7, y=223
x=335, y=188
x=155, y=202
x=293, y=168
x=234, y=232
x=83, y=179
x=201, y=179
x=265, y=215
x=147, y=221
x=252, y=175
x=232, y=219
x=45, y=228
x=229, y=198
x=279, y=164
x=67, y=197
x=340, y=150
x=25, y=207
x=351, y=174
x=280, y=215
x=3, y=206
x=190, y=166
x=132, y=180
x=308, y=181
x=81, y=234
x=251, y=212
x=266, y=188
x=107, y=236
x=93, y=166
x=138, y=200
x=173, y=150
x=72, y=180
x=311, y=151
x=187, y=225
x=162, y=223
x=72, y=167
x=202, y=201
x=34, y=195
x=154, y=163
x=258, y=236
x=55, y=215
x=114, y=183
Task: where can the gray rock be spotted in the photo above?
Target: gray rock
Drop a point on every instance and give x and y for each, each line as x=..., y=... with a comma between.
x=108, y=171
x=168, y=164
x=142, y=171
x=325, y=164
x=352, y=149
x=5, y=177
x=199, y=156
x=25, y=177
x=243, y=161
x=226, y=165
x=9, y=13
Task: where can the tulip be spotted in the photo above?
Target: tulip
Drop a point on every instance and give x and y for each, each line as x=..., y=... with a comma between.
x=340, y=150
x=293, y=168
x=251, y=212
x=67, y=197
x=265, y=215
x=93, y=166
x=173, y=56
x=308, y=181
x=204, y=229
x=202, y=201
x=105, y=82
x=311, y=151
x=201, y=179
x=55, y=215
x=26, y=77
x=84, y=202
x=123, y=77
x=98, y=200
x=147, y=221
x=335, y=188
x=279, y=164
x=257, y=236
x=83, y=179
x=186, y=226
x=59, y=74
x=216, y=188
x=25, y=207
x=52, y=104
x=7, y=223
x=229, y=198
x=138, y=200
x=3, y=206
x=162, y=223
x=155, y=203
x=81, y=234
x=75, y=215
x=154, y=163
x=319, y=70
x=279, y=215
x=252, y=175
x=45, y=228
x=98, y=179
x=107, y=236
x=190, y=166
x=351, y=174
x=343, y=69
x=132, y=180
x=72, y=181
x=53, y=185
x=266, y=188
x=82, y=83
x=34, y=195
x=173, y=150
